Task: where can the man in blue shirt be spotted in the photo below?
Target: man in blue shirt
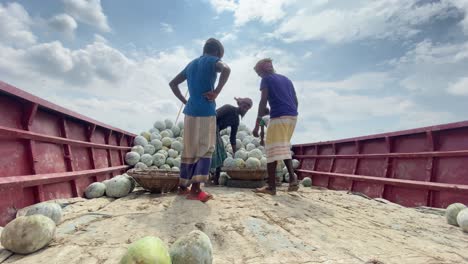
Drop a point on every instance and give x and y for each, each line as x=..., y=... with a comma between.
x=200, y=116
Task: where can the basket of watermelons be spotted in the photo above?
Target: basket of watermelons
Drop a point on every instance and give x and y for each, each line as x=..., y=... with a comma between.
x=156, y=180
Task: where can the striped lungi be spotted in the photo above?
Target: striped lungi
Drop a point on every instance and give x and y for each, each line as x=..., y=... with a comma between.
x=278, y=138
x=199, y=144
x=219, y=154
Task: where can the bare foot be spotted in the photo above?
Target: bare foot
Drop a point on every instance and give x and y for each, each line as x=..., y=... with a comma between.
x=293, y=187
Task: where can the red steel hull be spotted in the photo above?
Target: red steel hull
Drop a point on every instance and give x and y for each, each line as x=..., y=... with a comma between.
x=49, y=152
x=418, y=167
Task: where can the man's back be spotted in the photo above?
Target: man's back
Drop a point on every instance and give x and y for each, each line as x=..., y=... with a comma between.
x=281, y=95
x=201, y=77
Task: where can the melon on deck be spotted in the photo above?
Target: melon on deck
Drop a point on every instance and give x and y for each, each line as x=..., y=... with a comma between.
x=118, y=187
x=452, y=211
x=50, y=209
x=462, y=219
x=148, y=250
x=95, y=190
x=194, y=248
x=27, y=234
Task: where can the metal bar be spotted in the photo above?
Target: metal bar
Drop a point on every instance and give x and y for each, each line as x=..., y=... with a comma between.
x=66, y=147
x=17, y=133
x=396, y=182
x=407, y=155
x=109, y=154
x=315, y=159
x=332, y=164
x=91, y=130
x=6, y=88
x=30, y=113
x=130, y=140
x=89, y=136
x=68, y=156
x=28, y=119
x=40, y=193
x=430, y=167
x=357, y=145
x=388, y=166
x=119, y=143
x=48, y=178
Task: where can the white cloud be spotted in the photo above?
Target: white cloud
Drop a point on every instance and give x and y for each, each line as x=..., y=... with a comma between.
x=339, y=107
x=99, y=80
x=89, y=12
x=228, y=36
x=99, y=38
x=360, y=81
x=431, y=67
x=460, y=87
x=50, y=57
x=131, y=91
x=327, y=114
x=15, y=25
x=167, y=28
x=462, y=5
x=343, y=21
x=266, y=11
x=63, y=23
x=350, y=21
x=133, y=114
x=223, y=5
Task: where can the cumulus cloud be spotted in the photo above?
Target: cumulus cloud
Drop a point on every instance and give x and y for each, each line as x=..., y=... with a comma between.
x=346, y=22
x=430, y=67
x=359, y=81
x=460, y=87
x=167, y=28
x=130, y=89
x=63, y=23
x=89, y=12
x=99, y=38
x=15, y=25
x=99, y=80
x=50, y=57
x=266, y=11
x=462, y=5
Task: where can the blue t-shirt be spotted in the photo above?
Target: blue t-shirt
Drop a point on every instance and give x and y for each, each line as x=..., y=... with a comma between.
x=281, y=95
x=201, y=77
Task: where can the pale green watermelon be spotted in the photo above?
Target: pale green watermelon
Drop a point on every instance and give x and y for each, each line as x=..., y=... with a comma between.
x=148, y=250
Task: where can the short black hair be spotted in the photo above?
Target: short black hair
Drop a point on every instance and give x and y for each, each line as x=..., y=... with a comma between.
x=213, y=47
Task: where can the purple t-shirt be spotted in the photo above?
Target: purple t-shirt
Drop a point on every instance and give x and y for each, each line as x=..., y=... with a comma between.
x=281, y=95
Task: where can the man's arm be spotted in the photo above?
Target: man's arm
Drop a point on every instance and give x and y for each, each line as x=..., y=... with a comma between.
x=232, y=138
x=223, y=78
x=295, y=97
x=297, y=102
x=174, y=84
x=262, y=110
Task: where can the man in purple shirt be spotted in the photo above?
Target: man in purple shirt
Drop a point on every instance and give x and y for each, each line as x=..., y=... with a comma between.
x=278, y=91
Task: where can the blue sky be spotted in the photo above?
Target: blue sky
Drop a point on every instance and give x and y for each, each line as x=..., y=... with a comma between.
x=359, y=67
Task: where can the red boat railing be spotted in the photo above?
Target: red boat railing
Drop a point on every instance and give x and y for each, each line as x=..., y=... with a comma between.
x=49, y=152
x=419, y=167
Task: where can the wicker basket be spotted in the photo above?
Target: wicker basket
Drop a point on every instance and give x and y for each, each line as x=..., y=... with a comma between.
x=155, y=180
x=246, y=174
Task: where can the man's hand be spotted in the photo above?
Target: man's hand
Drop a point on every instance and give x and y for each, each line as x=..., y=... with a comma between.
x=174, y=84
x=211, y=95
x=255, y=131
